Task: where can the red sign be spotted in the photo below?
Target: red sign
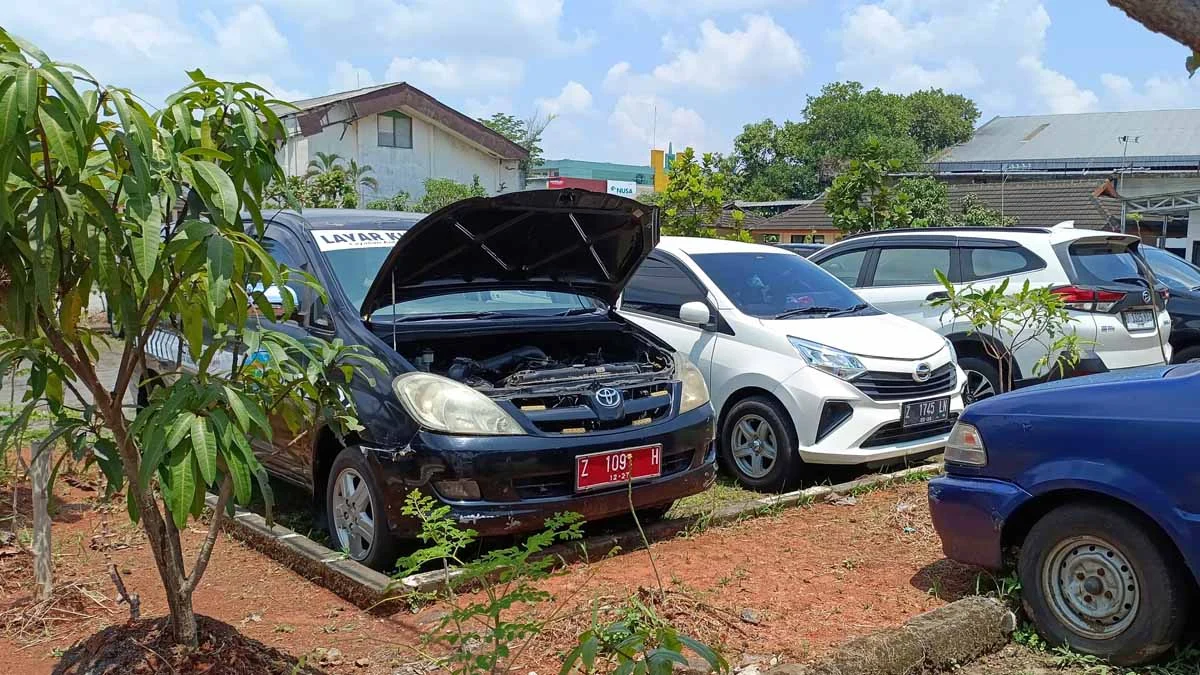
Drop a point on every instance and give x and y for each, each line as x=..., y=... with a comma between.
x=615, y=467
x=582, y=183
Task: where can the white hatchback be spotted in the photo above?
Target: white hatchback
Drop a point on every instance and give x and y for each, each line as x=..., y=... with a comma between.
x=799, y=367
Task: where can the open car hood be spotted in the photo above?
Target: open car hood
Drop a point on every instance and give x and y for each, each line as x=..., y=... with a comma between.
x=560, y=240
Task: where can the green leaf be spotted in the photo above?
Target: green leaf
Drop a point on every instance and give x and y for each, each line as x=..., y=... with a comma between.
x=183, y=487
x=705, y=652
x=249, y=121
x=179, y=429
x=193, y=327
x=204, y=444
x=240, y=472
x=251, y=409
x=65, y=86
x=131, y=505
x=10, y=113
x=146, y=248
x=63, y=141
x=217, y=190
x=220, y=270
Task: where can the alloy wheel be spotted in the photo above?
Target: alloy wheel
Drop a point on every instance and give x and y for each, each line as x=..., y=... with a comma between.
x=754, y=446
x=1091, y=587
x=353, y=513
x=978, y=387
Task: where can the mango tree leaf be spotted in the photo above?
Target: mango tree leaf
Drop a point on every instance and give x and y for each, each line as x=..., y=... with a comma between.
x=183, y=486
x=204, y=444
x=240, y=472
x=193, y=327
x=220, y=270
x=217, y=190
x=146, y=248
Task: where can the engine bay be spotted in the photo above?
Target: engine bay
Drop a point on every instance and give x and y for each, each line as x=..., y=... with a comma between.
x=482, y=364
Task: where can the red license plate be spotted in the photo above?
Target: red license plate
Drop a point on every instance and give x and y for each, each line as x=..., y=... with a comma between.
x=615, y=467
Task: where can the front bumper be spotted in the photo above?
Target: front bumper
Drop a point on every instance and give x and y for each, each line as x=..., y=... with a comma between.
x=969, y=515
x=872, y=433
x=523, y=480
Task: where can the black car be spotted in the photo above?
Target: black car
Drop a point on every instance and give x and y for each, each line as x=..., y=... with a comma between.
x=1183, y=280
x=803, y=250
x=515, y=391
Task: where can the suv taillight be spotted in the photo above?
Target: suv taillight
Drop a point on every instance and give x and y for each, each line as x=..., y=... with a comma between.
x=1088, y=299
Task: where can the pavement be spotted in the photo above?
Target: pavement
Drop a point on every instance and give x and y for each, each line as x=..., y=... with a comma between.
x=13, y=388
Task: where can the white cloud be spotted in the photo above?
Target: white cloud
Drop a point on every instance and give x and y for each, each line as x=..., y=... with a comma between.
x=1156, y=92
x=347, y=76
x=758, y=54
x=249, y=36
x=639, y=122
x=658, y=8
x=474, y=107
x=574, y=98
x=992, y=50
x=457, y=74
x=277, y=90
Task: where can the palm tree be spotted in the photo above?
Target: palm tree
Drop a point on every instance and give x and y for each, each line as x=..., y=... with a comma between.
x=361, y=176
x=325, y=161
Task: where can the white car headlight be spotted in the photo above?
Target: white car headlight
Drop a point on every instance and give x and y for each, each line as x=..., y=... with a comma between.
x=953, y=352
x=442, y=404
x=965, y=446
x=833, y=361
x=695, y=391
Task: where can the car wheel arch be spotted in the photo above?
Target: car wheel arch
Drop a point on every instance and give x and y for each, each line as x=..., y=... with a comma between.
x=744, y=393
x=972, y=344
x=325, y=450
x=1019, y=523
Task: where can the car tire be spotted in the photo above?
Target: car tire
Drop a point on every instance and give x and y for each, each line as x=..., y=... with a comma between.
x=356, y=519
x=760, y=419
x=1131, y=604
x=983, y=379
x=1186, y=355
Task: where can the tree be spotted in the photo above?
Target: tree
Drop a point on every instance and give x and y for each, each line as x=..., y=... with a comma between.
x=441, y=192
x=973, y=212
x=526, y=133
x=360, y=176
x=99, y=193
x=324, y=162
x=862, y=198
x=695, y=197
x=768, y=163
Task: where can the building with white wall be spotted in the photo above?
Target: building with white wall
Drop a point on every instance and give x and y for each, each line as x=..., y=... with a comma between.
x=404, y=134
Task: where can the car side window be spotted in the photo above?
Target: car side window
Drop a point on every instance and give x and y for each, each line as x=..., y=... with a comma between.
x=910, y=266
x=846, y=266
x=660, y=287
x=284, y=256
x=982, y=263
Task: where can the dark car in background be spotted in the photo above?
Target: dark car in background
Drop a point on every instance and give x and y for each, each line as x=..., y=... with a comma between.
x=803, y=250
x=1183, y=280
x=1092, y=482
x=513, y=390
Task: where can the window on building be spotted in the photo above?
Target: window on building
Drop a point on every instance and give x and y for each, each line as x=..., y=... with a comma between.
x=395, y=130
x=796, y=239
x=818, y=239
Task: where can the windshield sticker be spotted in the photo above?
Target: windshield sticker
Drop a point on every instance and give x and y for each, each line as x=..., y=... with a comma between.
x=337, y=240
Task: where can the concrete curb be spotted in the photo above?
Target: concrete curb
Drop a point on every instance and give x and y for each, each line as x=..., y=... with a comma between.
x=367, y=588
x=937, y=640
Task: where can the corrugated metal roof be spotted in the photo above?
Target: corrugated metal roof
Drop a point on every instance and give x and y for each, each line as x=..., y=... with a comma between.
x=309, y=103
x=1166, y=138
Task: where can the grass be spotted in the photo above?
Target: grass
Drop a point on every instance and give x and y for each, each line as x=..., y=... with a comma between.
x=724, y=492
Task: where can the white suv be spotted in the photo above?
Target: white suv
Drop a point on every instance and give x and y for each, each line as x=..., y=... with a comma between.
x=800, y=369
x=1097, y=273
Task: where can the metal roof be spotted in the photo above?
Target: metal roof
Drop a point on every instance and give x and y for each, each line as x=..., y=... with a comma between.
x=1083, y=141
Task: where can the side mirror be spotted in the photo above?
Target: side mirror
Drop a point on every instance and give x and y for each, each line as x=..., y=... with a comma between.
x=274, y=295
x=695, y=313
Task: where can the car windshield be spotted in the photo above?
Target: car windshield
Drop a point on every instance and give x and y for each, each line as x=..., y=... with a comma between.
x=778, y=285
x=1170, y=269
x=356, y=268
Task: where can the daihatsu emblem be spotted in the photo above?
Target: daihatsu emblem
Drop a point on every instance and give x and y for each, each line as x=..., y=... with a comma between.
x=923, y=372
x=1146, y=297
x=608, y=397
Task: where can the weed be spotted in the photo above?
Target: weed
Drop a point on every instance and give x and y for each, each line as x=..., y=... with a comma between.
x=284, y=628
x=1027, y=635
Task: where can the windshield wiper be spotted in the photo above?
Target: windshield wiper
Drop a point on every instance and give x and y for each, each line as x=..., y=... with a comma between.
x=850, y=310
x=814, y=309
x=455, y=315
x=577, y=310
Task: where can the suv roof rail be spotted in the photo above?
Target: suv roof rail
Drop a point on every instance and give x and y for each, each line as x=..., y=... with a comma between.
x=979, y=228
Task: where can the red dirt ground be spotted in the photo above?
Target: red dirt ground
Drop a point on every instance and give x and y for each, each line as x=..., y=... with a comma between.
x=809, y=578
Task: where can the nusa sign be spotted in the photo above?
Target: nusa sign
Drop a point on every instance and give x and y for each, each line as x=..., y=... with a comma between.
x=622, y=188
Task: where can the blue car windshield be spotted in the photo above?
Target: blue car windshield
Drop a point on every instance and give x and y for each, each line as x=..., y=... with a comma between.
x=356, y=268
x=778, y=285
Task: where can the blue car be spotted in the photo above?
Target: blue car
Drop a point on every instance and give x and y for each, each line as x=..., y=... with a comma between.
x=1092, y=486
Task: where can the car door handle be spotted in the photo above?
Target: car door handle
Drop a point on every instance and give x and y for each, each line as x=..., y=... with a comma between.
x=937, y=295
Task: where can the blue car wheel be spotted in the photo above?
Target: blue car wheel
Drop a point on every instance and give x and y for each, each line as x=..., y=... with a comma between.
x=1103, y=581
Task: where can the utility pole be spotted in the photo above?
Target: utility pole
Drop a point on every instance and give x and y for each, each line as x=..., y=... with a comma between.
x=1125, y=141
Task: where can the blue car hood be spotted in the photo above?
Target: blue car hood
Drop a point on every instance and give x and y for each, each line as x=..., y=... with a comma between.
x=1126, y=375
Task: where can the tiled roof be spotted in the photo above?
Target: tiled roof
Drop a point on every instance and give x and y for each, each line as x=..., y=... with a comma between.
x=749, y=222
x=1034, y=203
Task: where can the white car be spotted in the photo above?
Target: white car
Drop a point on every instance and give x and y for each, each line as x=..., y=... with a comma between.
x=1122, y=323
x=800, y=369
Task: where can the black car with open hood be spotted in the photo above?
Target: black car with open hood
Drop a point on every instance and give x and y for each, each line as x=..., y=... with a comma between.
x=514, y=391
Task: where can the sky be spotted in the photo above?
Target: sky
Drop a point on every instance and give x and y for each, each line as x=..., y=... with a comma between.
x=622, y=76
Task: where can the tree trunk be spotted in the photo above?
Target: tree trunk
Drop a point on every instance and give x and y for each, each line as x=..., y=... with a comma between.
x=1177, y=19
x=39, y=476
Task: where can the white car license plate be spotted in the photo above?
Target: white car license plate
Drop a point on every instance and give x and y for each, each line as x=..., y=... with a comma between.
x=1139, y=319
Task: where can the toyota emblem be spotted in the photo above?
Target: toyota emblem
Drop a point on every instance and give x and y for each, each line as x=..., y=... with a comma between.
x=608, y=397
x=922, y=373
x=1146, y=297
